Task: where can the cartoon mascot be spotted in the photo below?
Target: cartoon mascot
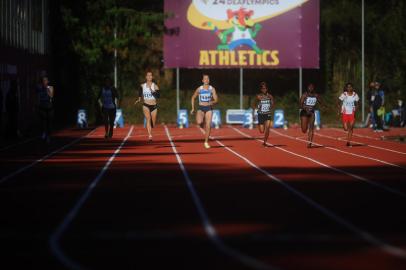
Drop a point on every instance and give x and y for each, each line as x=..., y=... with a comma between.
x=243, y=30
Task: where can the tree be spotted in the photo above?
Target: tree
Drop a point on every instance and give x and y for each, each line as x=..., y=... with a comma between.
x=92, y=26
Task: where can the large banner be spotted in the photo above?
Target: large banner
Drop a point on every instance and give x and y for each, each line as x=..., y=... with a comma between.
x=241, y=33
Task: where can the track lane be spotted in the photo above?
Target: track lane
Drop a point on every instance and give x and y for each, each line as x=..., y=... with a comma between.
x=251, y=211
x=24, y=156
x=33, y=203
x=378, y=172
x=392, y=147
x=369, y=208
x=141, y=215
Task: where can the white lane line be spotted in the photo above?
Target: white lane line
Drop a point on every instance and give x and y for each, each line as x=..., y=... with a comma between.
x=207, y=225
x=22, y=169
x=341, y=151
x=17, y=144
x=381, y=138
x=57, y=234
x=389, y=249
x=363, y=144
x=363, y=179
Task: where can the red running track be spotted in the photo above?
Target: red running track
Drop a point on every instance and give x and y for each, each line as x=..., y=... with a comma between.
x=86, y=202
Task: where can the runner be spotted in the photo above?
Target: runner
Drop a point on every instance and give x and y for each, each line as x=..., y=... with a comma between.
x=307, y=103
x=45, y=94
x=149, y=92
x=348, y=106
x=264, y=102
x=207, y=98
x=108, y=100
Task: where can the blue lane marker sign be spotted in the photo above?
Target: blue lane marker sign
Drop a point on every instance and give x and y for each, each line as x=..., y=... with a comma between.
x=82, y=119
x=248, y=119
x=216, y=119
x=183, y=120
x=119, y=121
x=278, y=119
x=317, y=122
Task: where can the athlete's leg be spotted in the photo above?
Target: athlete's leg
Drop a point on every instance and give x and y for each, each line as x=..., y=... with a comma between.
x=267, y=127
x=154, y=114
x=199, y=117
x=350, y=131
x=304, y=123
x=106, y=122
x=42, y=116
x=147, y=115
x=112, y=118
x=261, y=128
x=345, y=125
x=207, y=119
x=311, y=130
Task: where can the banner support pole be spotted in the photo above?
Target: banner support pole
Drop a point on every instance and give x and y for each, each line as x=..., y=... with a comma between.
x=177, y=92
x=241, y=88
x=300, y=82
x=363, y=62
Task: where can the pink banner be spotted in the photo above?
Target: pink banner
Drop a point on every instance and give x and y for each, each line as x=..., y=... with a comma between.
x=241, y=33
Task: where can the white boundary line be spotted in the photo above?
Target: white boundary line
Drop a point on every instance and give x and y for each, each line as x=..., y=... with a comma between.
x=363, y=179
x=11, y=175
x=17, y=144
x=207, y=225
x=381, y=138
x=341, y=151
x=360, y=143
x=57, y=234
x=389, y=249
x=360, y=136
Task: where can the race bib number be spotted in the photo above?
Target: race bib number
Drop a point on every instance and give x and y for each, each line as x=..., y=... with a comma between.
x=148, y=96
x=205, y=98
x=311, y=101
x=265, y=107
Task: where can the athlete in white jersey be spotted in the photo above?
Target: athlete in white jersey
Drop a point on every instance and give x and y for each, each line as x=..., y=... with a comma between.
x=207, y=98
x=348, y=105
x=149, y=93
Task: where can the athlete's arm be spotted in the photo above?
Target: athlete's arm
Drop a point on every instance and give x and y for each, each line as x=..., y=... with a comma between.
x=50, y=91
x=99, y=98
x=116, y=96
x=215, y=97
x=139, y=95
x=156, y=92
x=356, y=103
x=193, y=100
x=302, y=98
x=255, y=104
x=339, y=105
x=272, y=101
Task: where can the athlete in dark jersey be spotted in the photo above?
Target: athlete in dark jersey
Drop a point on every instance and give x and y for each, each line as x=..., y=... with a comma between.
x=107, y=99
x=264, y=103
x=207, y=98
x=149, y=93
x=308, y=102
x=45, y=94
